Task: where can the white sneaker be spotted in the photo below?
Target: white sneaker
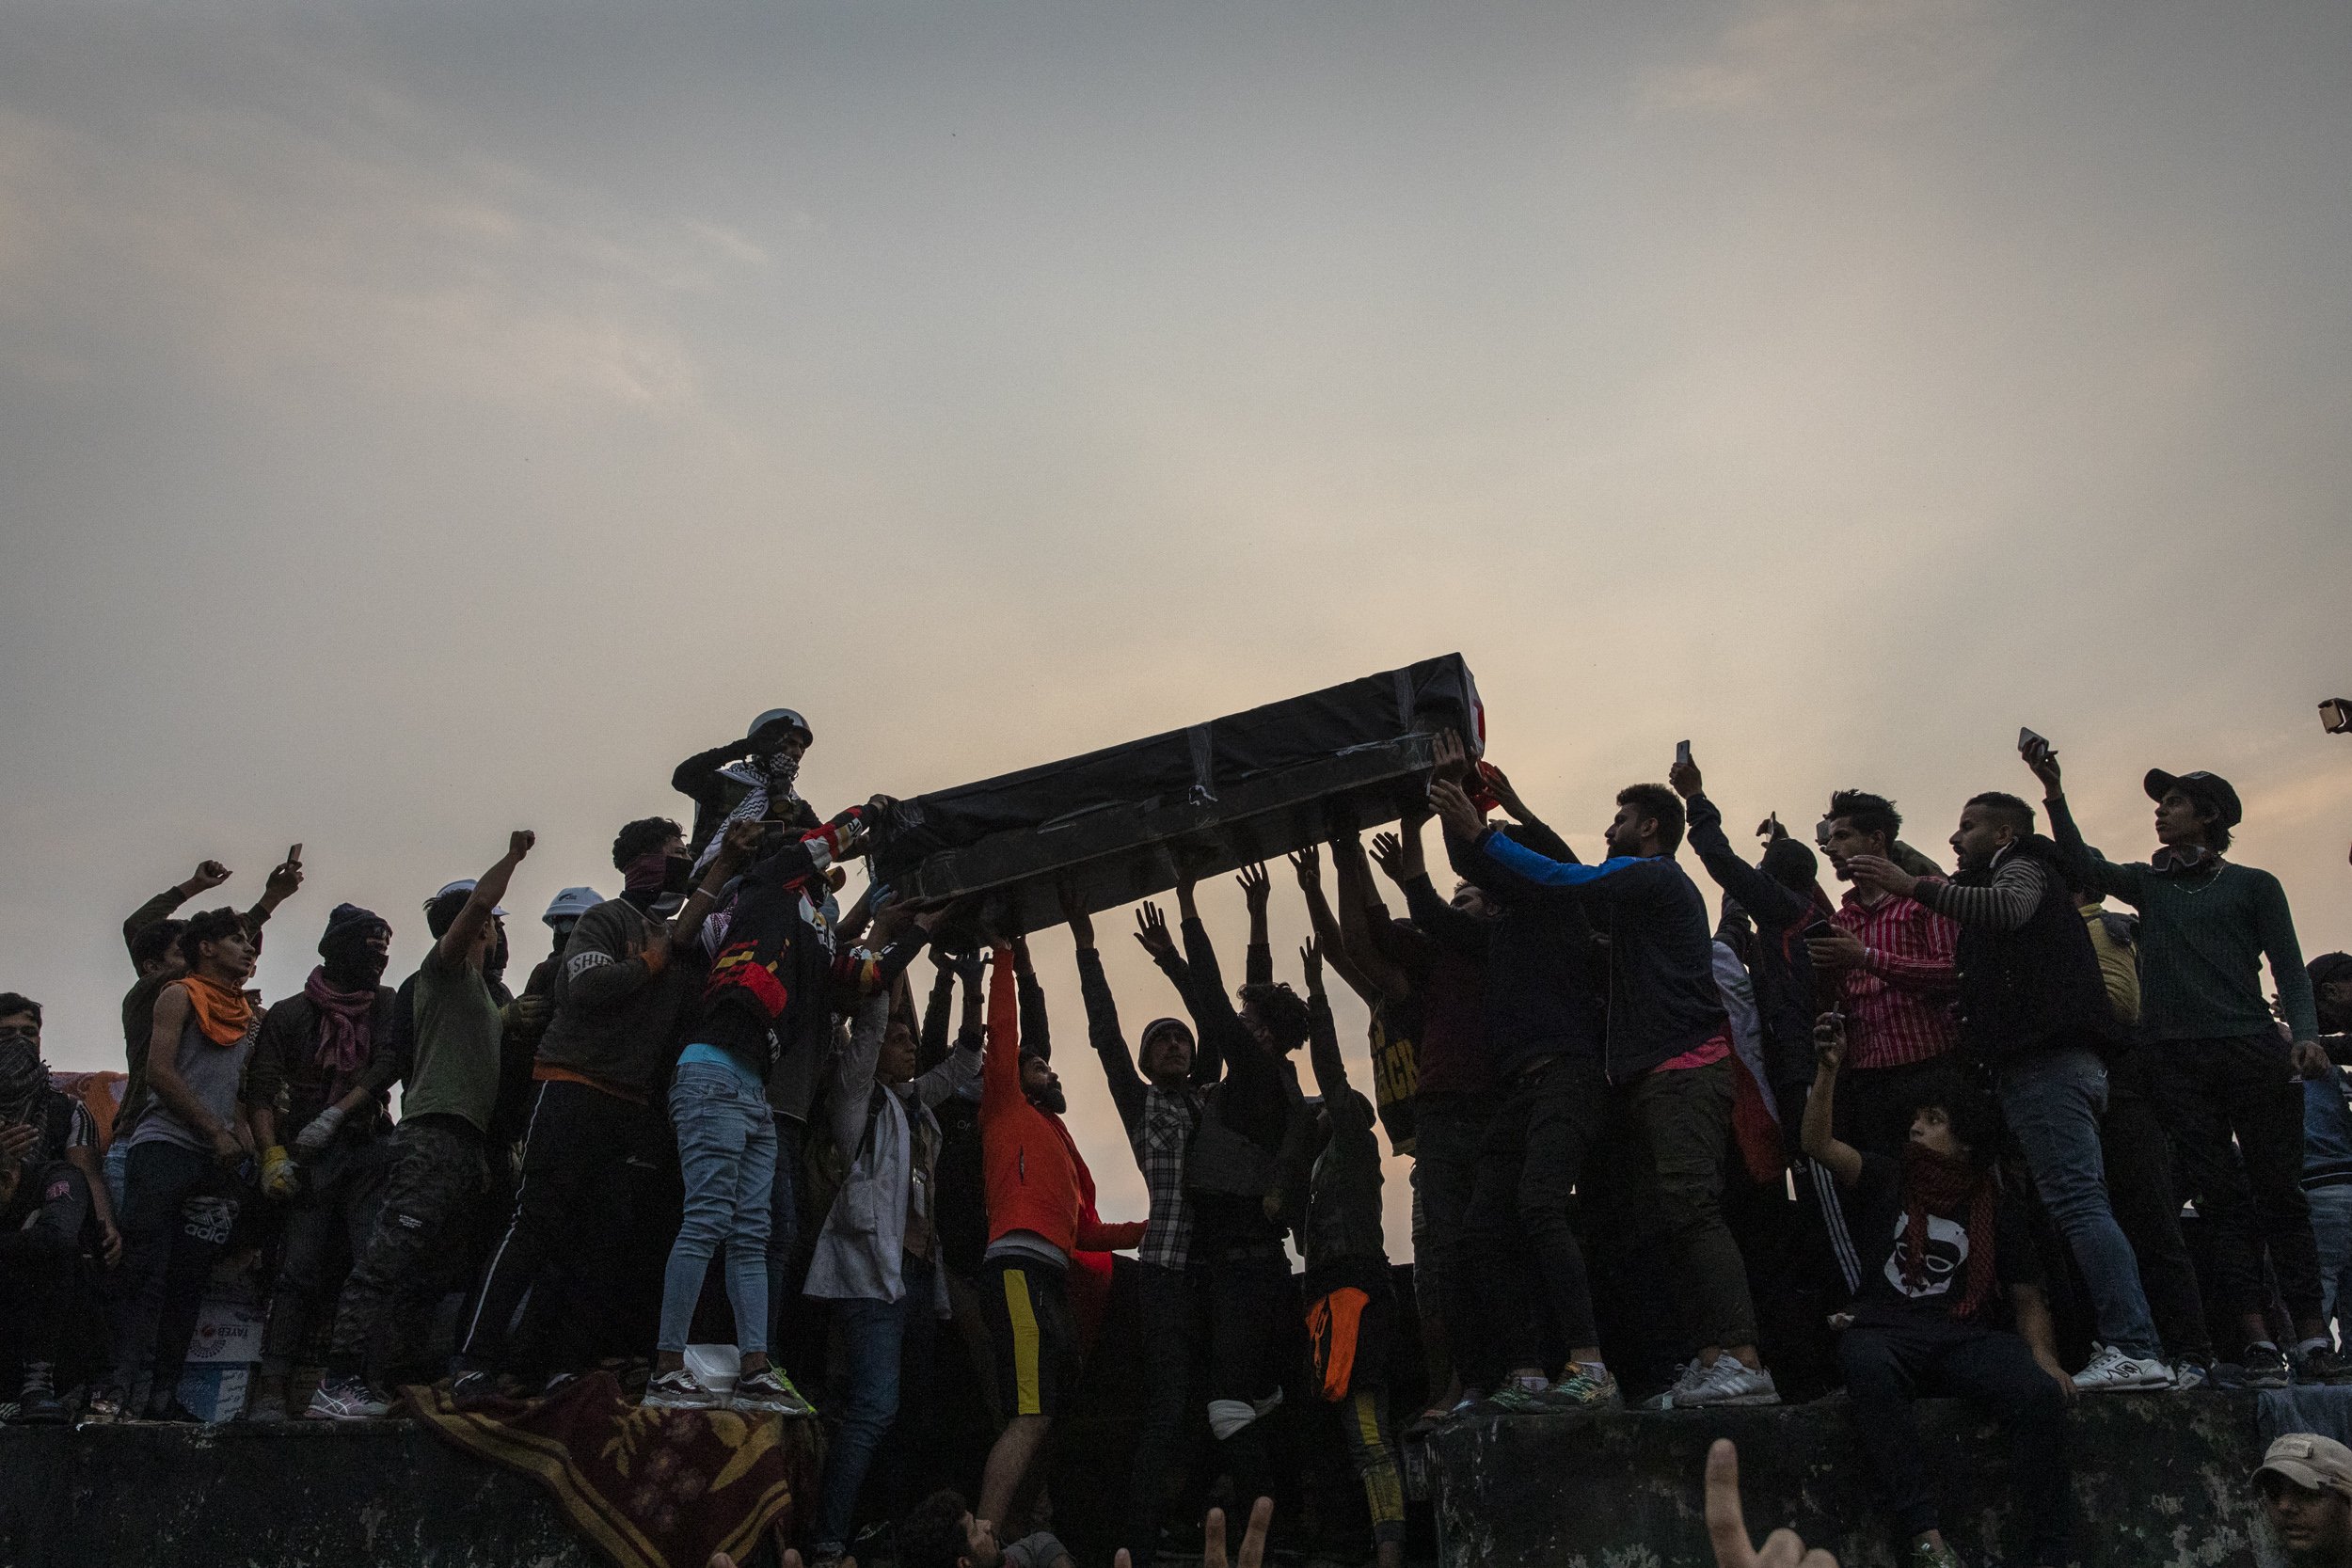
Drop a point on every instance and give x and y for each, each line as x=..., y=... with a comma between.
x=1685, y=1387
x=1729, y=1381
x=2111, y=1371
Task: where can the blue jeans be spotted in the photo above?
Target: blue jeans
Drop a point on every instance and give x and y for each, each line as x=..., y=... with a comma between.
x=727, y=1152
x=2331, y=1228
x=874, y=1335
x=2053, y=1100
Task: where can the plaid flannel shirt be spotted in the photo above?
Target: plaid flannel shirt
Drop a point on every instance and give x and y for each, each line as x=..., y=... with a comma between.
x=1159, y=1138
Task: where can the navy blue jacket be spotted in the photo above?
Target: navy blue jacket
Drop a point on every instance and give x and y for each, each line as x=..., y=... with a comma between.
x=1662, y=996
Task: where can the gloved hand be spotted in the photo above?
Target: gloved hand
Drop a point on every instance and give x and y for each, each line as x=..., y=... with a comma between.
x=313, y=1140
x=279, y=1178
x=525, y=1019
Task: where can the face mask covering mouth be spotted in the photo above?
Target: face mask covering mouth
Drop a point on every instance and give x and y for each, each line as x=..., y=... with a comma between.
x=782, y=767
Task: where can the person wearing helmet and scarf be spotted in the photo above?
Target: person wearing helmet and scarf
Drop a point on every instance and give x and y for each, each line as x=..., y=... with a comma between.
x=752, y=779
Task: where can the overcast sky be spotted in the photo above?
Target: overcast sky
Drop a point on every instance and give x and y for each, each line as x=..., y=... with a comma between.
x=422, y=420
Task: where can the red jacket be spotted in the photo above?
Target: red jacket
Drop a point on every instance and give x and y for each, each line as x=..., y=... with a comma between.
x=1038, y=1182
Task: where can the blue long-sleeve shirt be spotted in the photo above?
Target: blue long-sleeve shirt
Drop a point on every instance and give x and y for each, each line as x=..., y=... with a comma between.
x=1662, y=995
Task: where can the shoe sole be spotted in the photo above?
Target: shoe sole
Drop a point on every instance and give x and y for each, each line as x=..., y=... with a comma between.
x=1737, y=1398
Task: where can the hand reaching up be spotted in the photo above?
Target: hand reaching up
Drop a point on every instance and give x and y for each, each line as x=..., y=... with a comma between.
x=1728, y=1530
x=1152, y=931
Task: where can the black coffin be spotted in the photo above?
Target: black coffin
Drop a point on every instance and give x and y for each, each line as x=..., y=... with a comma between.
x=1113, y=826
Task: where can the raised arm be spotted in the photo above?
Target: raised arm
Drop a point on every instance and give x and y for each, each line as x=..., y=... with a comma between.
x=209, y=875
x=1000, y=1060
x=1034, y=1026
x=1102, y=1031
x=1842, y=1159
x=1322, y=1035
x=2084, y=865
x=1257, y=891
x=852, y=1071
x=1774, y=907
x=1308, y=866
x=1151, y=935
x=1363, y=920
x=457, y=942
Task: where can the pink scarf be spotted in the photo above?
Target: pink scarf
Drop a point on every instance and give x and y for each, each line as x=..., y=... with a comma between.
x=345, y=1017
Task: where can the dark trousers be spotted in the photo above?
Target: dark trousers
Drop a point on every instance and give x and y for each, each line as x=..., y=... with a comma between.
x=1174, y=1306
x=40, y=1244
x=1532, y=1157
x=178, y=1209
x=580, y=1144
x=1685, y=1121
x=327, y=1227
x=2235, y=1112
x=1252, y=1307
x=1448, y=1131
x=1887, y=1367
x=2147, y=1206
x=434, y=1183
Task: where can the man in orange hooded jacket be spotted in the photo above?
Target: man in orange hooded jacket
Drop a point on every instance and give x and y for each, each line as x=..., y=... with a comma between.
x=1041, y=1209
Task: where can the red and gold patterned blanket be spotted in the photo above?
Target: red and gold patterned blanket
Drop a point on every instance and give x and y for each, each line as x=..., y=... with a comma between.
x=647, y=1488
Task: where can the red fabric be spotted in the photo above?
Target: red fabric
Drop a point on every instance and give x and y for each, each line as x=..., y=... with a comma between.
x=1899, y=1007
x=1037, y=1181
x=646, y=1488
x=1090, y=1285
x=1761, y=1148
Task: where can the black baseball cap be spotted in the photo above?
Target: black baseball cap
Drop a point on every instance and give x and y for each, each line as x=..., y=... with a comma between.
x=2211, y=788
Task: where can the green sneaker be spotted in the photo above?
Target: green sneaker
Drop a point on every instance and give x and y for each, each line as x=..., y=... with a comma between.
x=1585, y=1389
x=1521, y=1396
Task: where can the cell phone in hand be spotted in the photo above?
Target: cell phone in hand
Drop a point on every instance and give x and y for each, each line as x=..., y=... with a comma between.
x=2026, y=739
x=293, y=854
x=1682, y=753
x=1819, y=931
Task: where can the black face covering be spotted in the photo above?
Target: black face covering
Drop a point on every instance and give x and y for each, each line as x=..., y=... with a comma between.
x=351, y=964
x=678, y=873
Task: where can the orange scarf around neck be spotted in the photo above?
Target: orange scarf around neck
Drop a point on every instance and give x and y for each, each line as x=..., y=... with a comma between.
x=223, y=1013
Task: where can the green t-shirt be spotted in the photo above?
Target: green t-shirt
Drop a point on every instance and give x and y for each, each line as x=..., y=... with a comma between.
x=456, y=1072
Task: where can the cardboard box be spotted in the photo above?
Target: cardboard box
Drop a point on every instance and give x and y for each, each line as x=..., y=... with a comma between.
x=227, y=1331
x=217, y=1392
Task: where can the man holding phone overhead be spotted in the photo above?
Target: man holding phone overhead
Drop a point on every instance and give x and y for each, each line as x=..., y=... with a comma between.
x=2227, y=1084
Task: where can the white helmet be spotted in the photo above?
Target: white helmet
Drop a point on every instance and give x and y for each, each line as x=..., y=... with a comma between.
x=571, y=904
x=782, y=715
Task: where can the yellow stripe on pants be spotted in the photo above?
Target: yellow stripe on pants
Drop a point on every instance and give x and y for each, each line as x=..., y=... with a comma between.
x=1024, y=1394
x=1384, y=1489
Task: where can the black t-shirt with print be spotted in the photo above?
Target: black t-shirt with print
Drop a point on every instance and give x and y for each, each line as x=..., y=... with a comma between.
x=1876, y=1208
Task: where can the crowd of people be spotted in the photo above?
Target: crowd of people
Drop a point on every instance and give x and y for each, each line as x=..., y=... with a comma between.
x=1959, y=1128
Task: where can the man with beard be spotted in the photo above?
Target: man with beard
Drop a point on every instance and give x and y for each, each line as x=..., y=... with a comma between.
x=1941, y=1245
x=595, y=1104
x=50, y=1191
x=1040, y=1207
x=2225, y=1078
x=439, y=1151
x=1665, y=1050
x=749, y=780
x=2034, y=1009
x=323, y=1066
